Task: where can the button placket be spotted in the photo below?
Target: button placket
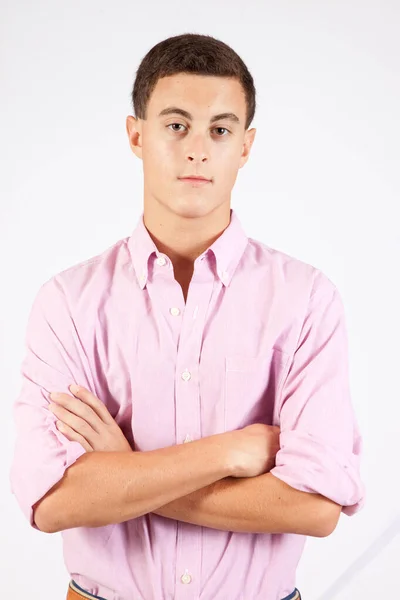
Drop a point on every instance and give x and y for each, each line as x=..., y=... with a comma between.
x=188, y=425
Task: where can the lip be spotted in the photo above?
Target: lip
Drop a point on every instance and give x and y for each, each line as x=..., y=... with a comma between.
x=195, y=180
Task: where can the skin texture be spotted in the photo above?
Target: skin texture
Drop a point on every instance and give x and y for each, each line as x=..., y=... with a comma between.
x=183, y=221
x=261, y=503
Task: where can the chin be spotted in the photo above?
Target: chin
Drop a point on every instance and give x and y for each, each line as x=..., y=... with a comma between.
x=191, y=208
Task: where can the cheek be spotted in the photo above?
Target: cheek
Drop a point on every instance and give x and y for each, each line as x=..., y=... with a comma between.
x=158, y=161
x=227, y=165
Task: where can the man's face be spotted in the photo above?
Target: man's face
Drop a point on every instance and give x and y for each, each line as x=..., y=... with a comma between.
x=173, y=145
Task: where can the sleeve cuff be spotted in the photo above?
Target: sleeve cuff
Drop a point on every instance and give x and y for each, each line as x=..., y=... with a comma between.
x=29, y=488
x=307, y=464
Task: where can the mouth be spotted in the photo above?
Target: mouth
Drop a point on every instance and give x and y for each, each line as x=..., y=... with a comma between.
x=196, y=181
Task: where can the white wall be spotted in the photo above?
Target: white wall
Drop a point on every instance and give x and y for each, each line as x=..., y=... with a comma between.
x=323, y=175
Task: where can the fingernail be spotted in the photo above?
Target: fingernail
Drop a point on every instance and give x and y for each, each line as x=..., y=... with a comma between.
x=74, y=388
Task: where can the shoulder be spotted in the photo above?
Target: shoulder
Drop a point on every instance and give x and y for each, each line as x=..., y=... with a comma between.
x=91, y=276
x=290, y=272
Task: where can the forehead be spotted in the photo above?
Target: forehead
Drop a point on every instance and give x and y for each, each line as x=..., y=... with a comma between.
x=201, y=95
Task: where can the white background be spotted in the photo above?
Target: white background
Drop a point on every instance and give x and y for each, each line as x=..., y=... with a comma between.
x=322, y=184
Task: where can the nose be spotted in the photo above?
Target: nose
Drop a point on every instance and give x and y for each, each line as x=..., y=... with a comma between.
x=193, y=158
x=197, y=151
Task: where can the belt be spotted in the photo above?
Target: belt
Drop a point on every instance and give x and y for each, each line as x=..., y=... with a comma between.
x=75, y=592
x=295, y=595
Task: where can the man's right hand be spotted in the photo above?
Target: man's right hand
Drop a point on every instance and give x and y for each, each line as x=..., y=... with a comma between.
x=252, y=450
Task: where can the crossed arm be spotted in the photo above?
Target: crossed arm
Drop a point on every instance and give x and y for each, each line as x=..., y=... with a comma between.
x=315, y=412
x=262, y=504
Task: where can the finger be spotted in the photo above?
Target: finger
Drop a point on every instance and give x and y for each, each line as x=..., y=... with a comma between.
x=93, y=401
x=79, y=425
x=78, y=408
x=73, y=436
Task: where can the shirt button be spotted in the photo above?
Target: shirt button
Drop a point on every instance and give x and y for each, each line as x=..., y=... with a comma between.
x=186, y=577
x=175, y=311
x=186, y=375
x=187, y=439
x=161, y=261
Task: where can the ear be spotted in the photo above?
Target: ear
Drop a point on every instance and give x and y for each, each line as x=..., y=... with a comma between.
x=134, y=131
x=247, y=144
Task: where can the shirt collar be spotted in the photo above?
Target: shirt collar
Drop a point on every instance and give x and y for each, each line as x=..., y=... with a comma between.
x=227, y=249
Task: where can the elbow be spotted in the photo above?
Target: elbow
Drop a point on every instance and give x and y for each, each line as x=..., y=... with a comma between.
x=323, y=530
x=49, y=512
x=328, y=521
x=40, y=516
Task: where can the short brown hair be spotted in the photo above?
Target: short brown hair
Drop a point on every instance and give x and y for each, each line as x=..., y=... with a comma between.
x=190, y=53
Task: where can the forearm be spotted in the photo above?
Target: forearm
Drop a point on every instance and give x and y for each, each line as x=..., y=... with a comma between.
x=262, y=504
x=101, y=488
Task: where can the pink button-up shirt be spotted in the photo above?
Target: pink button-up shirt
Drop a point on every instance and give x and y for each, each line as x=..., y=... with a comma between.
x=261, y=339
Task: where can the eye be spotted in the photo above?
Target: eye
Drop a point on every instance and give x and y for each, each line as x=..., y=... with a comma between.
x=224, y=128
x=179, y=125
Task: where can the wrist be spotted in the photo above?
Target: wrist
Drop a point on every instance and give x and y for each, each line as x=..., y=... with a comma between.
x=223, y=452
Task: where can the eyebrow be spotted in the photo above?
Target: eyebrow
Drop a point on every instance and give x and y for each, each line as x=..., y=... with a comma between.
x=180, y=111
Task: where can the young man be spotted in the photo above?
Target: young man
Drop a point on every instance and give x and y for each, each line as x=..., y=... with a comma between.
x=187, y=331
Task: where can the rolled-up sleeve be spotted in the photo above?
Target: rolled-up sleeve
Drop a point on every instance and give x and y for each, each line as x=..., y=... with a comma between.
x=52, y=362
x=320, y=443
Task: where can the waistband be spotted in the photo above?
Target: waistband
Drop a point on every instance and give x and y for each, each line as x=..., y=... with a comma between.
x=75, y=592
x=295, y=595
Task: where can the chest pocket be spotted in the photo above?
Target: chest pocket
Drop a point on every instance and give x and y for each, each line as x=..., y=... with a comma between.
x=251, y=383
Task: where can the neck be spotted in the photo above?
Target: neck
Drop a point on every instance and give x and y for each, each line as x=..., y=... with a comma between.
x=182, y=238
